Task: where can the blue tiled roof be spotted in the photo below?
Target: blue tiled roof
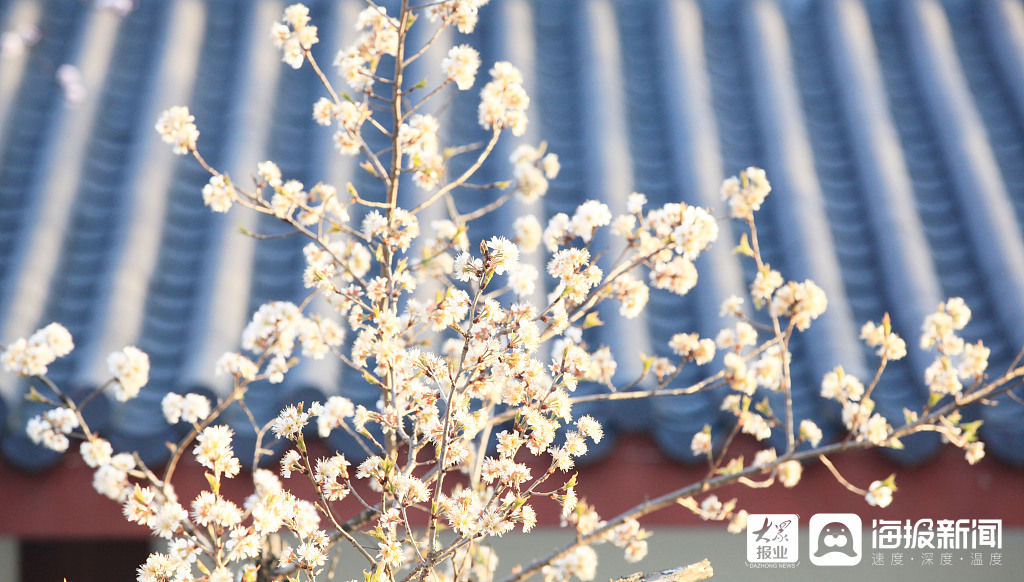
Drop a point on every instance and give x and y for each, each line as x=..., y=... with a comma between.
x=892, y=131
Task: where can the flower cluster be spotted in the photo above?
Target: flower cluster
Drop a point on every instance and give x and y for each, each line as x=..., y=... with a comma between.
x=51, y=428
x=880, y=492
x=700, y=444
x=692, y=346
x=289, y=201
x=190, y=408
x=418, y=138
x=580, y=563
x=219, y=194
x=350, y=118
x=96, y=452
x=275, y=330
x=503, y=100
x=880, y=335
x=632, y=295
x=461, y=65
x=746, y=193
x=800, y=302
x=130, y=368
x=30, y=357
x=177, y=126
x=397, y=232
x=859, y=414
x=810, y=432
x=358, y=63
x=335, y=264
x=533, y=167
x=213, y=450
x=789, y=473
x=144, y=507
x=765, y=283
x=956, y=360
x=463, y=14
x=294, y=35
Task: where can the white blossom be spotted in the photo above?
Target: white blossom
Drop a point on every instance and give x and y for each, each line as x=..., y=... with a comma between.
x=213, y=450
x=503, y=101
x=219, y=194
x=975, y=452
x=879, y=494
x=523, y=280
x=274, y=328
x=975, y=361
x=632, y=294
x=738, y=524
x=746, y=193
x=236, y=365
x=130, y=367
x=841, y=386
x=635, y=203
x=800, y=302
x=700, y=444
x=111, y=479
x=190, y=408
x=467, y=268
x=31, y=357
x=177, y=126
x=161, y=568
x=290, y=422
x=890, y=345
x=96, y=452
x=332, y=414
x=810, y=432
x=589, y=216
x=461, y=65
x=581, y=563
x=502, y=255
x=790, y=473
x=294, y=35
x=50, y=429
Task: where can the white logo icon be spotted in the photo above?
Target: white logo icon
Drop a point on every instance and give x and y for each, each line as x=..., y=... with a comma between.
x=772, y=538
x=835, y=539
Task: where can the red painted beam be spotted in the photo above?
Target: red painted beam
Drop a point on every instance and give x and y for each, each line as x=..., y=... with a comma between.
x=60, y=503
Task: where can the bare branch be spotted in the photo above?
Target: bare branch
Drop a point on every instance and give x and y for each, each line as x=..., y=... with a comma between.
x=701, y=570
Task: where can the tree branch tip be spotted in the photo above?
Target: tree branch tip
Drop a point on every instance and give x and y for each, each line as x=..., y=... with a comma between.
x=697, y=571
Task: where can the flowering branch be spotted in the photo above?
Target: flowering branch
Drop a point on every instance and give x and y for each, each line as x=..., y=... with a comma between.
x=465, y=365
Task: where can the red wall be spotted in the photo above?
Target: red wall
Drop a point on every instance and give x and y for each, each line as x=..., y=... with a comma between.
x=60, y=503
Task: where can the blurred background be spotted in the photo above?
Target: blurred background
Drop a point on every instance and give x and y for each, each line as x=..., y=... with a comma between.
x=892, y=132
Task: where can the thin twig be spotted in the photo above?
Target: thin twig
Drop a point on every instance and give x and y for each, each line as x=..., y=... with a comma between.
x=495, y=134
x=839, y=477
